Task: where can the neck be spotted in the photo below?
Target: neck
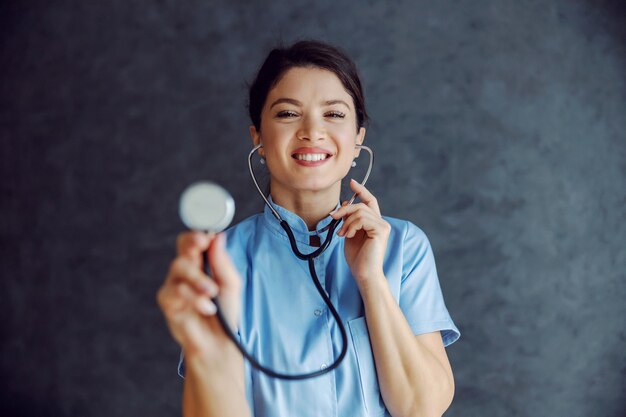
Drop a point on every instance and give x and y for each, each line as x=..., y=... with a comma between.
x=311, y=206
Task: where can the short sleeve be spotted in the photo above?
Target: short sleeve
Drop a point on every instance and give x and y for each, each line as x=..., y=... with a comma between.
x=421, y=299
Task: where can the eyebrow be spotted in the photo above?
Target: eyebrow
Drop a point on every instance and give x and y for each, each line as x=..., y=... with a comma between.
x=299, y=104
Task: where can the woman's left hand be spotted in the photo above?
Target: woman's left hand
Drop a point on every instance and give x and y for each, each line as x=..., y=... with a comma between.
x=366, y=235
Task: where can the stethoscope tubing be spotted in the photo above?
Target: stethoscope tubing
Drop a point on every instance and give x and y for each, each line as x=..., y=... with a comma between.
x=280, y=219
x=331, y=227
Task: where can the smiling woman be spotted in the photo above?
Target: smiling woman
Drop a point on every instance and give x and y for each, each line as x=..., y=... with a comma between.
x=308, y=136
x=308, y=115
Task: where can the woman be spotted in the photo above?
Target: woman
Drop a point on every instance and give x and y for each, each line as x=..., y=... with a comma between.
x=308, y=113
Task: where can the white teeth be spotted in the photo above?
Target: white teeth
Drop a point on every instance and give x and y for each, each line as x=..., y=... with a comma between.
x=311, y=156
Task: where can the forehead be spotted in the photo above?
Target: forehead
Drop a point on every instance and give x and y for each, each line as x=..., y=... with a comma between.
x=305, y=84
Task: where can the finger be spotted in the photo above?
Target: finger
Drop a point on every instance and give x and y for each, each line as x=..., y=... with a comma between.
x=227, y=277
x=222, y=267
x=348, y=210
x=341, y=205
x=192, y=244
x=360, y=220
x=365, y=195
x=205, y=306
x=184, y=270
x=348, y=220
x=373, y=228
x=174, y=298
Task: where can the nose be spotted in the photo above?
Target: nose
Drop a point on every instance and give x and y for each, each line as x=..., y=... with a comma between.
x=312, y=129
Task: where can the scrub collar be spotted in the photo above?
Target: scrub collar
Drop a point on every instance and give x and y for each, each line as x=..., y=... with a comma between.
x=298, y=226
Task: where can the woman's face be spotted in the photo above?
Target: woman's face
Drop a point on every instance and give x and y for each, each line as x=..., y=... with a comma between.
x=308, y=131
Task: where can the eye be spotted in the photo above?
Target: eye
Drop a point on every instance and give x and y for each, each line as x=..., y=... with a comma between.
x=286, y=113
x=335, y=115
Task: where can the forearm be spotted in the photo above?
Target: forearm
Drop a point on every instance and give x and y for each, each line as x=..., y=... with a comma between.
x=214, y=387
x=413, y=382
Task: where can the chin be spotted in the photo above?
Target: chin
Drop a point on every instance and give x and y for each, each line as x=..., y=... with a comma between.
x=310, y=183
x=313, y=184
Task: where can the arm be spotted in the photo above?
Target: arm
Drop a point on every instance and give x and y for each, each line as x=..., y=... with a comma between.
x=214, y=369
x=414, y=373
x=215, y=387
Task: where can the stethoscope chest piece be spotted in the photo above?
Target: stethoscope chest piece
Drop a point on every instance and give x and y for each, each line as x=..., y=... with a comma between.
x=205, y=206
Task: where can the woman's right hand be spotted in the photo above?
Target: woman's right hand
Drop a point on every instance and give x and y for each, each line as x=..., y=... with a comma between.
x=185, y=296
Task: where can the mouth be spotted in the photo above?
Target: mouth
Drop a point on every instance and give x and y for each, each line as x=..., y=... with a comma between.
x=311, y=157
x=311, y=154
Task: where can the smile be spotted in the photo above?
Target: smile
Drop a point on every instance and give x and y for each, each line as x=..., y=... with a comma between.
x=310, y=156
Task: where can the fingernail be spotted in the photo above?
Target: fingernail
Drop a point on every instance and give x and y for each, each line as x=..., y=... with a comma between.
x=209, y=289
x=202, y=239
x=333, y=212
x=218, y=242
x=207, y=307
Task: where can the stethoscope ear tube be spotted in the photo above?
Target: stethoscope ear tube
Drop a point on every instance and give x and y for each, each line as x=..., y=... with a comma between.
x=267, y=203
x=310, y=259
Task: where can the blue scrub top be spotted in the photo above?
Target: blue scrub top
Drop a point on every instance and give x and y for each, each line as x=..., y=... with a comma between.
x=286, y=325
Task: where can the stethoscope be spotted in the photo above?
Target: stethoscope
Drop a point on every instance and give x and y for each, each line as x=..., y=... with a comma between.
x=205, y=206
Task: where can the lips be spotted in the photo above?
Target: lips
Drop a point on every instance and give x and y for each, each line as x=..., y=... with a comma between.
x=311, y=156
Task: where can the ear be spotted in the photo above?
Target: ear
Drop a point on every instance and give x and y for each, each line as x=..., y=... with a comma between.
x=256, y=138
x=360, y=137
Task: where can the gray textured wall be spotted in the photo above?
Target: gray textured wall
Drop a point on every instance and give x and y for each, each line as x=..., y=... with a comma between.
x=499, y=128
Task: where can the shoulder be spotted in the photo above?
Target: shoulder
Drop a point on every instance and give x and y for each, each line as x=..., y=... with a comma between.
x=240, y=235
x=408, y=245
x=406, y=231
x=247, y=225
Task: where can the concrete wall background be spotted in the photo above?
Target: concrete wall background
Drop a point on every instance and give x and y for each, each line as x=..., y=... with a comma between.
x=498, y=126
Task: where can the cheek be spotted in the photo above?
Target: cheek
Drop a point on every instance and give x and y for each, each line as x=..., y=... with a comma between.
x=347, y=141
x=272, y=139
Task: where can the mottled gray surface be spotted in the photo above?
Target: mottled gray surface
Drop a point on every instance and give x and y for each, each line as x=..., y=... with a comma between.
x=499, y=128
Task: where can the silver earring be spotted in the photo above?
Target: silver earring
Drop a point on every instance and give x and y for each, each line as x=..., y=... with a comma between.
x=353, y=163
x=262, y=161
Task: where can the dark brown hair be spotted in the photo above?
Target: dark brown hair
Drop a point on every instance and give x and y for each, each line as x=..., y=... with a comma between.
x=308, y=53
